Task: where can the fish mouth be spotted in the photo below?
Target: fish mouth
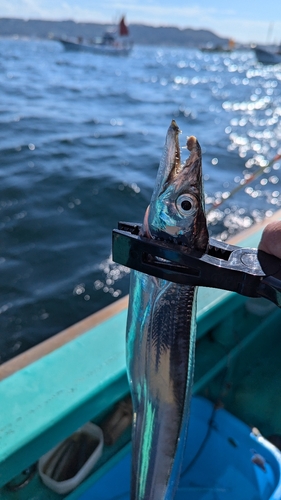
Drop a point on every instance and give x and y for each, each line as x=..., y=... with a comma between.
x=172, y=154
x=171, y=166
x=173, y=158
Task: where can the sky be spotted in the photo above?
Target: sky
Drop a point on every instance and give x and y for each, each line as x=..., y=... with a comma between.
x=246, y=21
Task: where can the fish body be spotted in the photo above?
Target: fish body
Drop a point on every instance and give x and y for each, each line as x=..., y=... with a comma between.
x=161, y=328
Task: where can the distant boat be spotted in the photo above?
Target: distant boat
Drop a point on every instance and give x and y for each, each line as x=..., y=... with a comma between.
x=266, y=56
x=210, y=47
x=113, y=42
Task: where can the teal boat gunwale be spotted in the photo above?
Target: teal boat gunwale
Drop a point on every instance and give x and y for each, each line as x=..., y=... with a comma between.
x=46, y=347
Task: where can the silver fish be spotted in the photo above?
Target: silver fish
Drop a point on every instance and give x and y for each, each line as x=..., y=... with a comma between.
x=161, y=328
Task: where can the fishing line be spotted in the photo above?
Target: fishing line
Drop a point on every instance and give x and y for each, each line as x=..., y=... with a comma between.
x=216, y=406
x=204, y=442
x=244, y=182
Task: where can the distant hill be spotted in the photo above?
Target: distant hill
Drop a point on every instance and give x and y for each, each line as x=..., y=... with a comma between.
x=149, y=35
x=141, y=34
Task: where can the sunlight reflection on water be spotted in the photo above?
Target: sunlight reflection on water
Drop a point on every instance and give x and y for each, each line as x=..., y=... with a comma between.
x=80, y=141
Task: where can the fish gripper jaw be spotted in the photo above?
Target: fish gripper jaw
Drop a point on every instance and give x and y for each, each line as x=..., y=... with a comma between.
x=246, y=271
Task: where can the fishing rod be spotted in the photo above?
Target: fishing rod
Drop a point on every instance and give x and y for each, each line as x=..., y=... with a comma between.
x=244, y=182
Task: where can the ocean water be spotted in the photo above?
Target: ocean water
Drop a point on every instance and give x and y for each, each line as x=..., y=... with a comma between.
x=81, y=137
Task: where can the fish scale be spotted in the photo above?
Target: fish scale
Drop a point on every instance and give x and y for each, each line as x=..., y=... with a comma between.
x=161, y=329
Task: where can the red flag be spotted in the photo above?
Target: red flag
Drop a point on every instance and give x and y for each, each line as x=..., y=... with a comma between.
x=123, y=30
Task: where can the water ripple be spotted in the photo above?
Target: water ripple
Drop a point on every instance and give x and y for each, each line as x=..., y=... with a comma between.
x=80, y=141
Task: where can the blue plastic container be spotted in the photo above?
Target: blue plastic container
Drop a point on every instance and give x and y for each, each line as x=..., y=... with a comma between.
x=224, y=460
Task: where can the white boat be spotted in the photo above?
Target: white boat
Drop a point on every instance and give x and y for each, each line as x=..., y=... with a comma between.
x=113, y=42
x=266, y=56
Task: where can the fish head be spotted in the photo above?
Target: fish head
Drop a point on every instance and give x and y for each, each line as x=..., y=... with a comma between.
x=176, y=211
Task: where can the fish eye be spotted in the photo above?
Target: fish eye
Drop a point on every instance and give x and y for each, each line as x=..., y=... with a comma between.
x=185, y=204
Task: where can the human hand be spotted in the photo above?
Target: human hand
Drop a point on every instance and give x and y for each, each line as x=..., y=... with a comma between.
x=271, y=239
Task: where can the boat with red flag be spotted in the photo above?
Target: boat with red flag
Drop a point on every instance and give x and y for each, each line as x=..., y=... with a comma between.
x=115, y=41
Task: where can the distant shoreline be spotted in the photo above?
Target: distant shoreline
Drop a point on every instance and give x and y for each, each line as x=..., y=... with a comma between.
x=141, y=34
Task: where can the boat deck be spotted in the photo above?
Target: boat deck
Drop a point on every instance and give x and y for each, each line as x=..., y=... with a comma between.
x=80, y=374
